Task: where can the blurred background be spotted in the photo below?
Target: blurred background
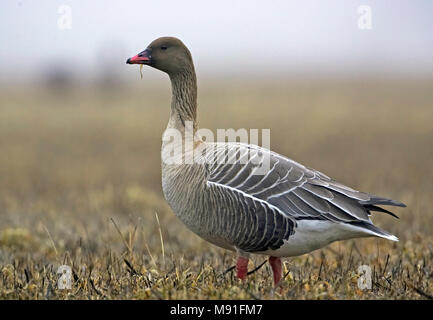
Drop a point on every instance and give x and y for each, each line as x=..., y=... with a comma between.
x=90, y=40
x=346, y=87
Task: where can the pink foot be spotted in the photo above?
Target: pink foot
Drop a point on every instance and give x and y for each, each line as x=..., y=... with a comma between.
x=277, y=269
x=242, y=267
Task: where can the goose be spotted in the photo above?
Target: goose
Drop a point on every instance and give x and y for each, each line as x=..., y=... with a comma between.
x=228, y=199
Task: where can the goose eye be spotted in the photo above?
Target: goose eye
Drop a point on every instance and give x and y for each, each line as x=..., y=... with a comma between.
x=163, y=47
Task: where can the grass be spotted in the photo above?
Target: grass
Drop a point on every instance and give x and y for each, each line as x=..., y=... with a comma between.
x=80, y=185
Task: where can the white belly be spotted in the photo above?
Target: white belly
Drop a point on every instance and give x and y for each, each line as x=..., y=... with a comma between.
x=311, y=235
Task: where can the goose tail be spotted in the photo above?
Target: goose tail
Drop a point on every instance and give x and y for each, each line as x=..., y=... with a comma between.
x=372, y=230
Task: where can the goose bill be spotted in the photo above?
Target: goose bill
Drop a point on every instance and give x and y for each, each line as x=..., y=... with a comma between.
x=141, y=58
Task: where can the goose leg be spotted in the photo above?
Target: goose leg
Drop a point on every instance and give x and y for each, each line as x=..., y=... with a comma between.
x=277, y=268
x=242, y=267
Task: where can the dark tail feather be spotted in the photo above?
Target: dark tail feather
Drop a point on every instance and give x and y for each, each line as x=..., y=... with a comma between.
x=382, y=201
x=371, y=207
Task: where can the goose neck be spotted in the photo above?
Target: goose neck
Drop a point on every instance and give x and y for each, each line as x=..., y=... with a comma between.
x=184, y=98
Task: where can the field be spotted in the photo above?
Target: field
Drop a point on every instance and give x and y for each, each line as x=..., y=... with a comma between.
x=80, y=186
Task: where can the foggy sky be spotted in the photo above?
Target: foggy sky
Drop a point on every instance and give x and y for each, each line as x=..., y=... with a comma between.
x=225, y=37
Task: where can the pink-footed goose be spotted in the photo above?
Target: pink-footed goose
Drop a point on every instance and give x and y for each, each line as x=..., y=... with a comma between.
x=288, y=210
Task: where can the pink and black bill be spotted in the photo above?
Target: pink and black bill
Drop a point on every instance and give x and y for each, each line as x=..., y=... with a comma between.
x=143, y=57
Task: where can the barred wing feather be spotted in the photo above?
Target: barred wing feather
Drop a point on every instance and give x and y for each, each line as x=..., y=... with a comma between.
x=287, y=189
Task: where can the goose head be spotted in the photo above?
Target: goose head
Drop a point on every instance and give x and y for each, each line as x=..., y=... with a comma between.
x=167, y=54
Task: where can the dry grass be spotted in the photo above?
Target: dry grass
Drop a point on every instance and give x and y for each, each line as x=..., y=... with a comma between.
x=80, y=185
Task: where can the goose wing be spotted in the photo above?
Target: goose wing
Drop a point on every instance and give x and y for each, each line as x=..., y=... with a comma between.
x=288, y=190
